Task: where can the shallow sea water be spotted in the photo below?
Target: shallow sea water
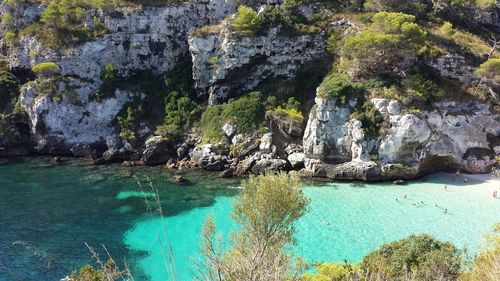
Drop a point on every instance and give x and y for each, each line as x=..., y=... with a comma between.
x=48, y=213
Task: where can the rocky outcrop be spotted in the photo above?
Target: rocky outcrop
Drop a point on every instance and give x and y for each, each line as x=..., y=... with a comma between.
x=152, y=38
x=70, y=118
x=225, y=64
x=328, y=135
x=453, y=136
x=21, y=13
x=454, y=66
x=157, y=151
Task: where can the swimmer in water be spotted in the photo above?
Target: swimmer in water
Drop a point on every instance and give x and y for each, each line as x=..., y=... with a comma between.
x=422, y=202
x=405, y=195
x=446, y=188
x=466, y=179
x=445, y=211
x=495, y=194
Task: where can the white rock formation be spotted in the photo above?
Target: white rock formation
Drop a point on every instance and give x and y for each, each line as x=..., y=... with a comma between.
x=225, y=64
x=72, y=122
x=454, y=135
x=149, y=39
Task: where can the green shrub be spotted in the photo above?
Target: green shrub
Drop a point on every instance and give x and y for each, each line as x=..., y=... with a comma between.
x=419, y=256
x=289, y=113
x=490, y=69
x=46, y=69
x=370, y=118
x=334, y=272
x=248, y=21
x=180, y=111
x=339, y=87
x=247, y=113
x=418, y=87
x=390, y=38
x=415, y=7
x=292, y=103
x=9, y=89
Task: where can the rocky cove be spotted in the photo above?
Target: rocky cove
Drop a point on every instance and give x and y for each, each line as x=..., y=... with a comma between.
x=66, y=119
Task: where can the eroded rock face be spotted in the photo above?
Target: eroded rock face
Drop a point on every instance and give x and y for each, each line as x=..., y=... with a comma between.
x=71, y=119
x=453, y=136
x=150, y=39
x=328, y=133
x=225, y=65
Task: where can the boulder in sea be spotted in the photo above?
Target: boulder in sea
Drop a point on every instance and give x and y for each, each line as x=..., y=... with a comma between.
x=272, y=165
x=245, y=166
x=180, y=179
x=228, y=173
x=158, y=151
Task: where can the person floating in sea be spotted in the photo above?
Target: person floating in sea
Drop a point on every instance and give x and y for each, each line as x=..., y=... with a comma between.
x=405, y=196
x=466, y=179
x=422, y=202
x=445, y=211
x=495, y=194
x=446, y=188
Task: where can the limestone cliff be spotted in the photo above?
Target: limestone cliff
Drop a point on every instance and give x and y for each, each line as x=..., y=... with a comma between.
x=225, y=65
x=454, y=135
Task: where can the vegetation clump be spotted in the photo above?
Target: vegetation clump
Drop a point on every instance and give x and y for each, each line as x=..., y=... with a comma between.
x=418, y=257
x=245, y=112
x=46, y=69
x=389, y=39
x=9, y=87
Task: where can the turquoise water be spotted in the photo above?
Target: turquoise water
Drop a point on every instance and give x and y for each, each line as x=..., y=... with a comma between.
x=49, y=212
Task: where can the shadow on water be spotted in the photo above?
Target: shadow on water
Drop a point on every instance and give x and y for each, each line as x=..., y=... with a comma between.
x=49, y=212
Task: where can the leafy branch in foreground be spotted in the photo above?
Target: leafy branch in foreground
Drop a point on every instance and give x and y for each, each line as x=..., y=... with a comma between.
x=266, y=211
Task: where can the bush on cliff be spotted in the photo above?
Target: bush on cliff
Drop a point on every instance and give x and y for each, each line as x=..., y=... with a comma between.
x=389, y=39
x=9, y=88
x=46, y=69
x=339, y=87
x=248, y=21
x=246, y=113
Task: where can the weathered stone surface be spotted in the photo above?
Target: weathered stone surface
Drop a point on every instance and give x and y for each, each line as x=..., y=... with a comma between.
x=152, y=38
x=266, y=143
x=180, y=179
x=245, y=166
x=455, y=66
x=454, y=136
x=225, y=66
x=158, y=151
x=296, y=160
x=265, y=165
x=73, y=123
x=226, y=173
x=229, y=129
x=327, y=135
x=208, y=158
